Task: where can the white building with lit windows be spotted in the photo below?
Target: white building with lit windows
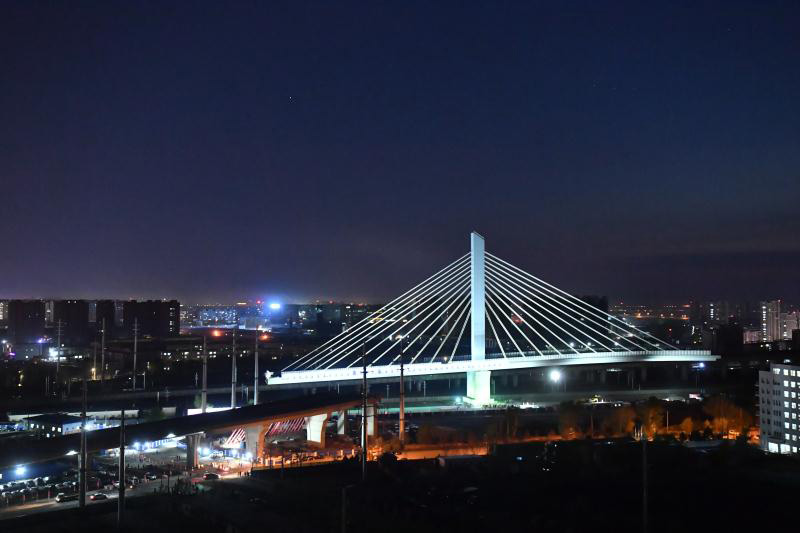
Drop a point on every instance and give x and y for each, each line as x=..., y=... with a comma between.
x=779, y=408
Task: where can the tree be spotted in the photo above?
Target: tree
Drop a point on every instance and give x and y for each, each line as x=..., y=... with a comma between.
x=651, y=414
x=620, y=420
x=568, y=420
x=687, y=425
x=726, y=415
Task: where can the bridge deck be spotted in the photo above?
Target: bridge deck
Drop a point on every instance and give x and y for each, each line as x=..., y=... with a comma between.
x=502, y=363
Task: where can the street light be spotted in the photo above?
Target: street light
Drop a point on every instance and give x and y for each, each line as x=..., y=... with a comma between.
x=557, y=377
x=20, y=471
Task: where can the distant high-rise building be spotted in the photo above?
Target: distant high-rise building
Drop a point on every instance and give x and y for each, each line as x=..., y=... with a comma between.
x=72, y=316
x=106, y=309
x=26, y=320
x=752, y=335
x=155, y=318
x=788, y=323
x=48, y=312
x=770, y=321
x=726, y=340
x=719, y=312
x=3, y=312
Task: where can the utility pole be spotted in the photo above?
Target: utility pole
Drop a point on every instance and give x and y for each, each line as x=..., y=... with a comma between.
x=255, y=357
x=402, y=402
x=644, y=479
x=135, y=346
x=103, y=353
x=58, y=354
x=233, y=370
x=204, y=393
x=82, y=456
x=121, y=500
x=364, y=412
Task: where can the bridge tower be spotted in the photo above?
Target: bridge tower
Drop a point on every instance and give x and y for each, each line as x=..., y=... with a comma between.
x=479, y=382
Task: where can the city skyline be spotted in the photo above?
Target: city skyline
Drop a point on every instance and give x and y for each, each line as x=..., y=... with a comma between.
x=345, y=151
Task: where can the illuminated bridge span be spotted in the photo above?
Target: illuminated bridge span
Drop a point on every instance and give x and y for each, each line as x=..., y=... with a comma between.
x=479, y=314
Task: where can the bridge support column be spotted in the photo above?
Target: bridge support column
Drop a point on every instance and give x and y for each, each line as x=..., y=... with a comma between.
x=192, y=444
x=341, y=423
x=371, y=420
x=644, y=374
x=315, y=428
x=479, y=386
x=254, y=439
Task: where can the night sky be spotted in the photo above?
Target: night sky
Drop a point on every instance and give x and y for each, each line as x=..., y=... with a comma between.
x=215, y=151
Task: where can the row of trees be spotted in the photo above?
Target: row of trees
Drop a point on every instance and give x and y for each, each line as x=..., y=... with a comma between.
x=717, y=414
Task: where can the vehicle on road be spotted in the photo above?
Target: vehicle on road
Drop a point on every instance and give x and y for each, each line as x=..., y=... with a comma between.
x=209, y=476
x=61, y=497
x=98, y=496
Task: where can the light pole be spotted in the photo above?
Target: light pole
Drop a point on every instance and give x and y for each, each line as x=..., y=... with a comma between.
x=255, y=363
x=364, y=412
x=233, y=369
x=555, y=377
x=103, y=353
x=135, y=346
x=58, y=353
x=204, y=392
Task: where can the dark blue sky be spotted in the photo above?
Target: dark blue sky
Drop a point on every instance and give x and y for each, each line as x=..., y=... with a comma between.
x=220, y=151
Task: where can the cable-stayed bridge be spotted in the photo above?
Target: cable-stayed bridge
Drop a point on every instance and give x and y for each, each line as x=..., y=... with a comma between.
x=478, y=314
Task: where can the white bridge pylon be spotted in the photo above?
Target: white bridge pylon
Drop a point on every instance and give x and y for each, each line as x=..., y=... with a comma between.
x=513, y=320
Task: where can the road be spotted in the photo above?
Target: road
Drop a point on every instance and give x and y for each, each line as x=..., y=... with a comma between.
x=144, y=488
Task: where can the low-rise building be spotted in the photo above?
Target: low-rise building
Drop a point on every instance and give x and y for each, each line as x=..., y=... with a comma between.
x=54, y=425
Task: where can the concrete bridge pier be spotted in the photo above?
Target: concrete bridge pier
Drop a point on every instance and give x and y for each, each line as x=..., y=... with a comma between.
x=254, y=439
x=371, y=420
x=479, y=386
x=341, y=423
x=192, y=444
x=315, y=428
